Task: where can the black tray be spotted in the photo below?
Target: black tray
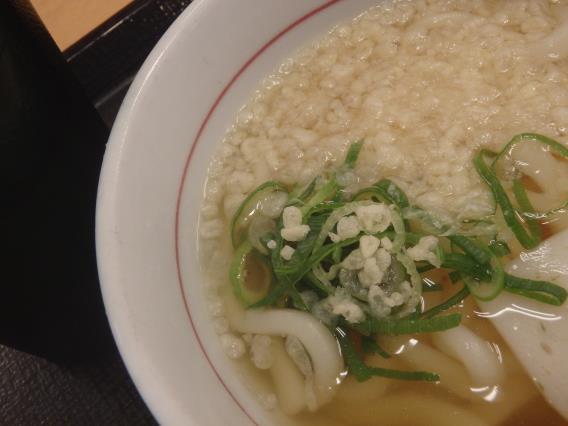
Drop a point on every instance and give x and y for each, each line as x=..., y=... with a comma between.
x=93, y=388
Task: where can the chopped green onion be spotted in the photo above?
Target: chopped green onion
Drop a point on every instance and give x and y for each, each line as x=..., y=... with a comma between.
x=336, y=255
x=248, y=294
x=531, y=238
x=300, y=194
x=331, y=190
x=260, y=227
x=450, y=303
x=543, y=291
x=466, y=266
x=384, y=191
x=478, y=228
x=487, y=289
x=306, y=255
x=416, y=283
x=454, y=276
x=526, y=206
x=276, y=293
x=374, y=193
x=370, y=346
x=545, y=215
x=509, y=214
x=363, y=372
x=321, y=275
x=325, y=207
x=499, y=248
x=411, y=238
x=297, y=300
x=395, y=274
x=248, y=207
x=425, y=268
x=333, y=218
x=317, y=284
x=470, y=247
x=486, y=284
x=325, y=193
x=429, y=223
x=399, y=231
x=290, y=272
x=440, y=254
x=353, y=154
x=407, y=326
x=397, y=195
x=278, y=282
x=554, y=145
x=323, y=252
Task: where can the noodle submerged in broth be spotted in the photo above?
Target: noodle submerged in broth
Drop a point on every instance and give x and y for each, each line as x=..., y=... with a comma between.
x=367, y=214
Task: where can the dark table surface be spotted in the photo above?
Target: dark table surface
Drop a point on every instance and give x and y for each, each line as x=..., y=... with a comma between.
x=88, y=387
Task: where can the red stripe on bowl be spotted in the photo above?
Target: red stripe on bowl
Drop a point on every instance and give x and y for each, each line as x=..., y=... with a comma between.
x=186, y=168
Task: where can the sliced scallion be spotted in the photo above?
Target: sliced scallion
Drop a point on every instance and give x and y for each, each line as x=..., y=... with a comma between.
x=373, y=193
x=450, y=303
x=275, y=293
x=454, y=276
x=466, y=266
x=363, y=372
x=300, y=194
x=487, y=289
x=370, y=346
x=509, y=214
x=425, y=268
x=526, y=206
x=249, y=290
x=336, y=255
x=470, y=247
x=543, y=291
x=396, y=194
x=499, y=248
x=554, y=145
x=247, y=208
x=325, y=193
x=317, y=284
x=399, y=230
x=428, y=222
x=333, y=218
x=407, y=326
x=353, y=154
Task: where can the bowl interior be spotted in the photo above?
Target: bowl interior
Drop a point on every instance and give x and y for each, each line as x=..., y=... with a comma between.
x=173, y=118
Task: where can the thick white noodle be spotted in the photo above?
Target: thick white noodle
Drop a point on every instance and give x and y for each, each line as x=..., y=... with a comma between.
x=516, y=393
x=364, y=393
x=480, y=359
x=319, y=343
x=420, y=356
x=550, y=174
x=288, y=381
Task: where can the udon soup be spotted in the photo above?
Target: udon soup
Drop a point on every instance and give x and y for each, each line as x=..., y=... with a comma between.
x=384, y=227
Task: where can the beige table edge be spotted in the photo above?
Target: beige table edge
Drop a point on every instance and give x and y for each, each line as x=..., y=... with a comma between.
x=69, y=20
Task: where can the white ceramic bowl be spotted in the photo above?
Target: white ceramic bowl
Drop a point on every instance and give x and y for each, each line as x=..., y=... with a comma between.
x=176, y=112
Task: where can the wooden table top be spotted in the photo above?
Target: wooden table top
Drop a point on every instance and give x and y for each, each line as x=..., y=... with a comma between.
x=69, y=20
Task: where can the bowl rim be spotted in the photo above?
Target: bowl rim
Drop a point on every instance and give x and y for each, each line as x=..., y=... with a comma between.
x=183, y=179
x=107, y=261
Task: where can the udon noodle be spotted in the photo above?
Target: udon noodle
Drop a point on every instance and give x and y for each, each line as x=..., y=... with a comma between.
x=422, y=86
